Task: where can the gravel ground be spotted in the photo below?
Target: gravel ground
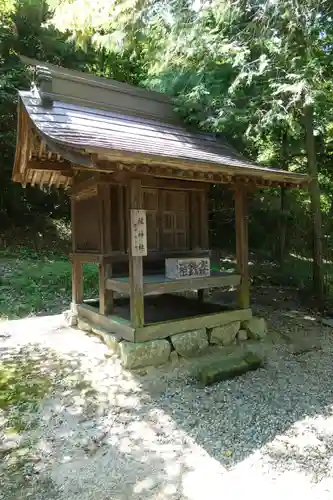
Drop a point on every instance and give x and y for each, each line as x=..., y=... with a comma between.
x=107, y=434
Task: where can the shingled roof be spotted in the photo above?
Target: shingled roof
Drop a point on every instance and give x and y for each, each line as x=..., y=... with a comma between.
x=72, y=117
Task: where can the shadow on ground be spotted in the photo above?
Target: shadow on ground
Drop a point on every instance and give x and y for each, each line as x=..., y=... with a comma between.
x=78, y=426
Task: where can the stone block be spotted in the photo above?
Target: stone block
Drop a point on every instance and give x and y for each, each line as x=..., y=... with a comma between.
x=173, y=357
x=256, y=328
x=70, y=317
x=100, y=332
x=226, y=334
x=227, y=368
x=112, y=341
x=137, y=355
x=83, y=325
x=191, y=343
x=327, y=322
x=242, y=335
x=304, y=345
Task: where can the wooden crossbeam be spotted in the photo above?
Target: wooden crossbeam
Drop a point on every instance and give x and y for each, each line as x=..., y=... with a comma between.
x=82, y=187
x=48, y=165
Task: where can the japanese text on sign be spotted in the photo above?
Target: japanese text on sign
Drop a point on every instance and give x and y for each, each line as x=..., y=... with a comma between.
x=139, y=233
x=198, y=267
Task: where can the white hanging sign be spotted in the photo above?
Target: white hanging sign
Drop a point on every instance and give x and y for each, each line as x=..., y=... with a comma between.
x=138, y=233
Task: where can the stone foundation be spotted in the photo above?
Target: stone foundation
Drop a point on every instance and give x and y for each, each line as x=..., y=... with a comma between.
x=186, y=344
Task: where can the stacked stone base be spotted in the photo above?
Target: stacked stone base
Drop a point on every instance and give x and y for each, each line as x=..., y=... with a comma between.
x=187, y=344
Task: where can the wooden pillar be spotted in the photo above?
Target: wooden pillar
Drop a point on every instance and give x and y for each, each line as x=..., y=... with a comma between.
x=242, y=246
x=135, y=262
x=105, y=295
x=204, y=220
x=77, y=283
x=121, y=211
x=193, y=220
x=204, y=234
x=105, y=269
x=77, y=271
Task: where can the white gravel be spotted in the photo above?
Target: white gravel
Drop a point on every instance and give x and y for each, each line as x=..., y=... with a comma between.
x=158, y=436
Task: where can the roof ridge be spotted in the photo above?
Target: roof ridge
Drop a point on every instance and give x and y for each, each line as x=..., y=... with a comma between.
x=57, y=83
x=96, y=81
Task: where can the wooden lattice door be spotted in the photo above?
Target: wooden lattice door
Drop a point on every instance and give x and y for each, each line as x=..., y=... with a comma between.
x=174, y=223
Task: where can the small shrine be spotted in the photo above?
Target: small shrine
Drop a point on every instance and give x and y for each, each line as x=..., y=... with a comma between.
x=138, y=180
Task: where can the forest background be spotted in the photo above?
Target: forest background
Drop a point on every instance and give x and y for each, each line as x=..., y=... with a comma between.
x=257, y=72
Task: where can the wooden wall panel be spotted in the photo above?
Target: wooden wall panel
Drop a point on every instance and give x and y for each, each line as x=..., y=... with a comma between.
x=87, y=225
x=118, y=219
x=175, y=218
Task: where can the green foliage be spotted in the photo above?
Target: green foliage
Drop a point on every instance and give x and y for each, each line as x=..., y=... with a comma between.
x=33, y=284
x=244, y=70
x=25, y=30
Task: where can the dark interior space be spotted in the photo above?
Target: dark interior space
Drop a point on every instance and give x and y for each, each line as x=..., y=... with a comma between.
x=165, y=307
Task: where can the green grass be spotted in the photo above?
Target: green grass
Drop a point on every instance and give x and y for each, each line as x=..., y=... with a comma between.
x=32, y=283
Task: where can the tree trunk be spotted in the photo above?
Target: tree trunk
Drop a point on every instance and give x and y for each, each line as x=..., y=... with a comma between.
x=283, y=201
x=316, y=216
x=283, y=225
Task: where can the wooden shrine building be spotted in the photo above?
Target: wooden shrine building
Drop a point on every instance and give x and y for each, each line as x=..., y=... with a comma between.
x=138, y=182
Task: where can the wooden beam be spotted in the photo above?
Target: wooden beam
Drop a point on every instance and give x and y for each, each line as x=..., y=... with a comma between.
x=77, y=284
x=119, y=256
x=57, y=185
x=139, y=159
x=106, y=195
x=113, y=324
x=179, y=172
x=193, y=222
x=77, y=270
x=121, y=210
x=53, y=177
x=105, y=269
x=81, y=186
x=153, y=285
x=33, y=179
x=157, y=284
x=148, y=181
x=48, y=165
x=204, y=222
x=242, y=245
x=118, y=285
x=105, y=294
x=86, y=258
x=135, y=263
x=167, y=328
